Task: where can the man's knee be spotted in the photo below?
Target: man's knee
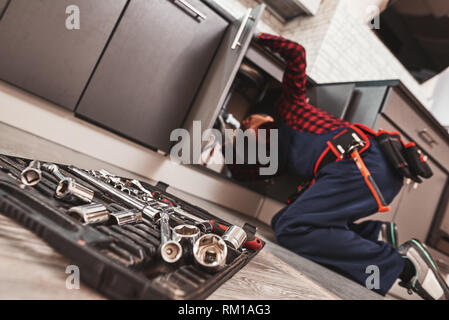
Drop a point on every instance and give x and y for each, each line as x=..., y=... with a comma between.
x=289, y=233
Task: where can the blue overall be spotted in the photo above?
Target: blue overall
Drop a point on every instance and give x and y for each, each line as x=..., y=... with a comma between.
x=320, y=226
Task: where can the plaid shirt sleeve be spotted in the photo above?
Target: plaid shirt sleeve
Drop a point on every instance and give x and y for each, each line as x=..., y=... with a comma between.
x=292, y=106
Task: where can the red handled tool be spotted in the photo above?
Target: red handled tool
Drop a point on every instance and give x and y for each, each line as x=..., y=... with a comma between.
x=347, y=144
x=383, y=207
x=252, y=242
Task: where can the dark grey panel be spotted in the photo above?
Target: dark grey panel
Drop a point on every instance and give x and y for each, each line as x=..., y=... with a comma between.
x=39, y=54
x=154, y=65
x=366, y=104
x=333, y=98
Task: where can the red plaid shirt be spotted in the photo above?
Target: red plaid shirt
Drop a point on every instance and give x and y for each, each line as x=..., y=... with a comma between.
x=292, y=106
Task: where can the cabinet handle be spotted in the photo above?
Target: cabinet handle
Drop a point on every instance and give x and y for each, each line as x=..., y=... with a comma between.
x=2, y=12
x=237, y=42
x=427, y=137
x=197, y=13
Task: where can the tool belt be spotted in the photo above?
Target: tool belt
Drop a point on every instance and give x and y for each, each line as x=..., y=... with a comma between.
x=407, y=159
x=341, y=145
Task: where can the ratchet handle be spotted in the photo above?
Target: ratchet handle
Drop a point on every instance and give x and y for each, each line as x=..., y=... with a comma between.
x=253, y=244
x=218, y=228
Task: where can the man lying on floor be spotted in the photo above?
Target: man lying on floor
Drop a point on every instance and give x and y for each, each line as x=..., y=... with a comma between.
x=351, y=177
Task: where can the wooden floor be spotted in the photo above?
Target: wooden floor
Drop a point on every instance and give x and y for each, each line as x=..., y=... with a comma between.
x=29, y=269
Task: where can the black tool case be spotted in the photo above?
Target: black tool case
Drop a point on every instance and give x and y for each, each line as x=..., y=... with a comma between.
x=120, y=262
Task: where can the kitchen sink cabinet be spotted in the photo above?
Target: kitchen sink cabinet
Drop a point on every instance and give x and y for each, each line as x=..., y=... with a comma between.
x=152, y=69
x=218, y=82
x=39, y=54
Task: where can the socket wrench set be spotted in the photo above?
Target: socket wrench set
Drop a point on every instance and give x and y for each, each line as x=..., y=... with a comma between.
x=130, y=240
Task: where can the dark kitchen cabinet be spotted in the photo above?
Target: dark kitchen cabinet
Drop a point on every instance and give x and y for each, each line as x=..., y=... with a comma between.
x=218, y=82
x=334, y=98
x=153, y=67
x=39, y=54
x=414, y=208
x=419, y=203
x=419, y=125
x=418, y=206
x=366, y=103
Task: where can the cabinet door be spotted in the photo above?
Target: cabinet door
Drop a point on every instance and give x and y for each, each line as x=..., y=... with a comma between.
x=415, y=206
x=153, y=67
x=444, y=226
x=404, y=113
x=39, y=54
x=418, y=206
x=222, y=73
x=332, y=98
x=366, y=104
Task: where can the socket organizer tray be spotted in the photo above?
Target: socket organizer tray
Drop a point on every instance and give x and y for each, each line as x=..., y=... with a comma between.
x=110, y=227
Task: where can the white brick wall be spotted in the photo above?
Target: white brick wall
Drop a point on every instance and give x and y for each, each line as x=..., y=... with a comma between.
x=340, y=46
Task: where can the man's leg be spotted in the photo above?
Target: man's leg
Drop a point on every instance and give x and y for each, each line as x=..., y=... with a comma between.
x=316, y=226
x=367, y=229
x=377, y=231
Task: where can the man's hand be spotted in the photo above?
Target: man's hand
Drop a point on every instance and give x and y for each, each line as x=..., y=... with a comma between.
x=256, y=120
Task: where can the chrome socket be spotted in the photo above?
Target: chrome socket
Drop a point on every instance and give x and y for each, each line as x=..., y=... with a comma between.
x=235, y=237
x=70, y=191
x=147, y=210
x=186, y=234
x=31, y=175
x=93, y=213
x=171, y=251
x=126, y=217
x=210, y=252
